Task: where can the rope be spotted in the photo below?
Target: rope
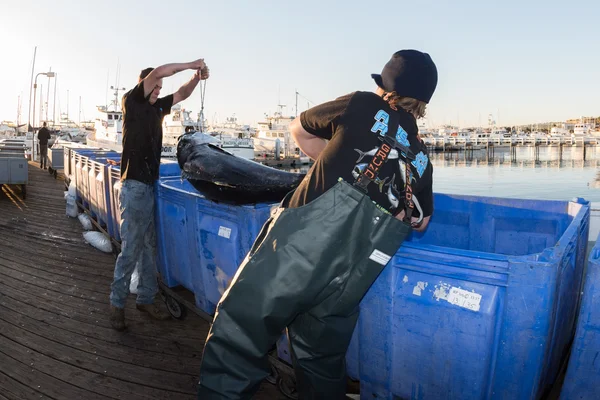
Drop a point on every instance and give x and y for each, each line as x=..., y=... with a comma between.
x=202, y=92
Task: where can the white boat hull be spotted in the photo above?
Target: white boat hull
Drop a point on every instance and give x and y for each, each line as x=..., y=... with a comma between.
x=242, y=152
x=168, y=151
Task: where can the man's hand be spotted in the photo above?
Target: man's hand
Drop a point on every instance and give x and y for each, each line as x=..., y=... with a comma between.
x=202, y=74
x=413, y=220
x=198, y=64
x=164, y=71
x=186, y=90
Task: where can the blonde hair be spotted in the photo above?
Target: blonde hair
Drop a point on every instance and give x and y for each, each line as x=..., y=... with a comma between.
x=408, y=104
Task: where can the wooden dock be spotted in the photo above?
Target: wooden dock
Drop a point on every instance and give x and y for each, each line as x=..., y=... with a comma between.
x=55, y=339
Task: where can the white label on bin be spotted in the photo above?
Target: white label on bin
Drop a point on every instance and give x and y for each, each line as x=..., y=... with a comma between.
x=441, y=291
x=224, y=232
x=417, y=290
x=465, y=299
x=379, y=257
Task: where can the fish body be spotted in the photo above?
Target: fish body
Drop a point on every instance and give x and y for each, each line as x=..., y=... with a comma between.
x=402, y=165
x=392, y=198
x=220, y=176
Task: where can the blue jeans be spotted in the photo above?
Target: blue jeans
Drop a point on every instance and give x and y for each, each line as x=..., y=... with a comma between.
x=138, y=244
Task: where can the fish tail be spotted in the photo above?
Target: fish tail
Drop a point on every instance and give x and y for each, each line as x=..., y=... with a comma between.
x=383, y=183
x=361, y=155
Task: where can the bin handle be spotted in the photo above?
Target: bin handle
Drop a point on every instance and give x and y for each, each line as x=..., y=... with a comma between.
x=162, y=183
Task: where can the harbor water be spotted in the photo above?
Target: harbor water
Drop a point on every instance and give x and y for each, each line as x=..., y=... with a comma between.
x=552, y=175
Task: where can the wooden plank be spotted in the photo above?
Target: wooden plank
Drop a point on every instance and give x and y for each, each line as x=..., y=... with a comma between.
x=55, y=282
x=162, y=344
x=14, y=389
x=50, y=241
x=58, y=287
x=61, y=264
x=81, y=254
x=78, y=367
x=90, y=307
x=149, y=329
x=45, y=231
x=160, y=362
x=76, y=297
x=32, y=376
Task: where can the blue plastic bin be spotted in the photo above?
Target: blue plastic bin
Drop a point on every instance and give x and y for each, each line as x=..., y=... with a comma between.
x=69, y=157
x=582, y=380
x=202, y=242
x=100, y=203
x=224, y=235
x=82, y=171
x=113, y=177
x=94, y=169
x=169, y=168
x=79, y=171
x=480, y=306
x=176, y=252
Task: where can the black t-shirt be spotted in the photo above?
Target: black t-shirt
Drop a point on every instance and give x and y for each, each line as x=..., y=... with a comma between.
x=44, y=136
x=142, y=134
x=352, y=124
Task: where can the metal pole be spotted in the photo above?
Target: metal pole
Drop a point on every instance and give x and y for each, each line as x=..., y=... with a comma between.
x=33, y=149
x=41, y=116
x=30, y=87
x=18, y=112
x=54, y=103
x=48, y=96
x=33, y=143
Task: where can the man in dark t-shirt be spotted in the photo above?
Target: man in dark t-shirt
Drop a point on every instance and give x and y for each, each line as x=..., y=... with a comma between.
x=342, y=137
x=43, y=137
x=143, y=113
x=349, y=124
x=319, y=252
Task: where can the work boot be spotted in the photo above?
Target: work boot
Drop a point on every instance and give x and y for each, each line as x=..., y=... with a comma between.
x=154, y=310
x=117, y=318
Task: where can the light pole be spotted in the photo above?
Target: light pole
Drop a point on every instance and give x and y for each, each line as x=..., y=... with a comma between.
x=33, y=149
x=54, y=102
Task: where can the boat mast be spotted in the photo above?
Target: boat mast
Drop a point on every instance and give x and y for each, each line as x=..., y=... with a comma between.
x=30, y=89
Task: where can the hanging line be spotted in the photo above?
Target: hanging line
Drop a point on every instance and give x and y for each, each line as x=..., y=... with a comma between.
x=202, y=93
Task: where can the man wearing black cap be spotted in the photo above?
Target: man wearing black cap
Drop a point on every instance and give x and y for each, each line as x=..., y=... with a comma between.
x=404, y=88
x=322, y=249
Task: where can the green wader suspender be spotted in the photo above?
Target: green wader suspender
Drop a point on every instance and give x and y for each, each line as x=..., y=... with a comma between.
x=307, y=271
x=371, y=172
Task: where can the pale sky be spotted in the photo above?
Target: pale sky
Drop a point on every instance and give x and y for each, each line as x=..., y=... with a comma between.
x=528, y=61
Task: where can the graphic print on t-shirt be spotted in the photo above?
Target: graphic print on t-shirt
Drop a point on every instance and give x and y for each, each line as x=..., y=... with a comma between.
x=353, y=126
x=387, y=185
